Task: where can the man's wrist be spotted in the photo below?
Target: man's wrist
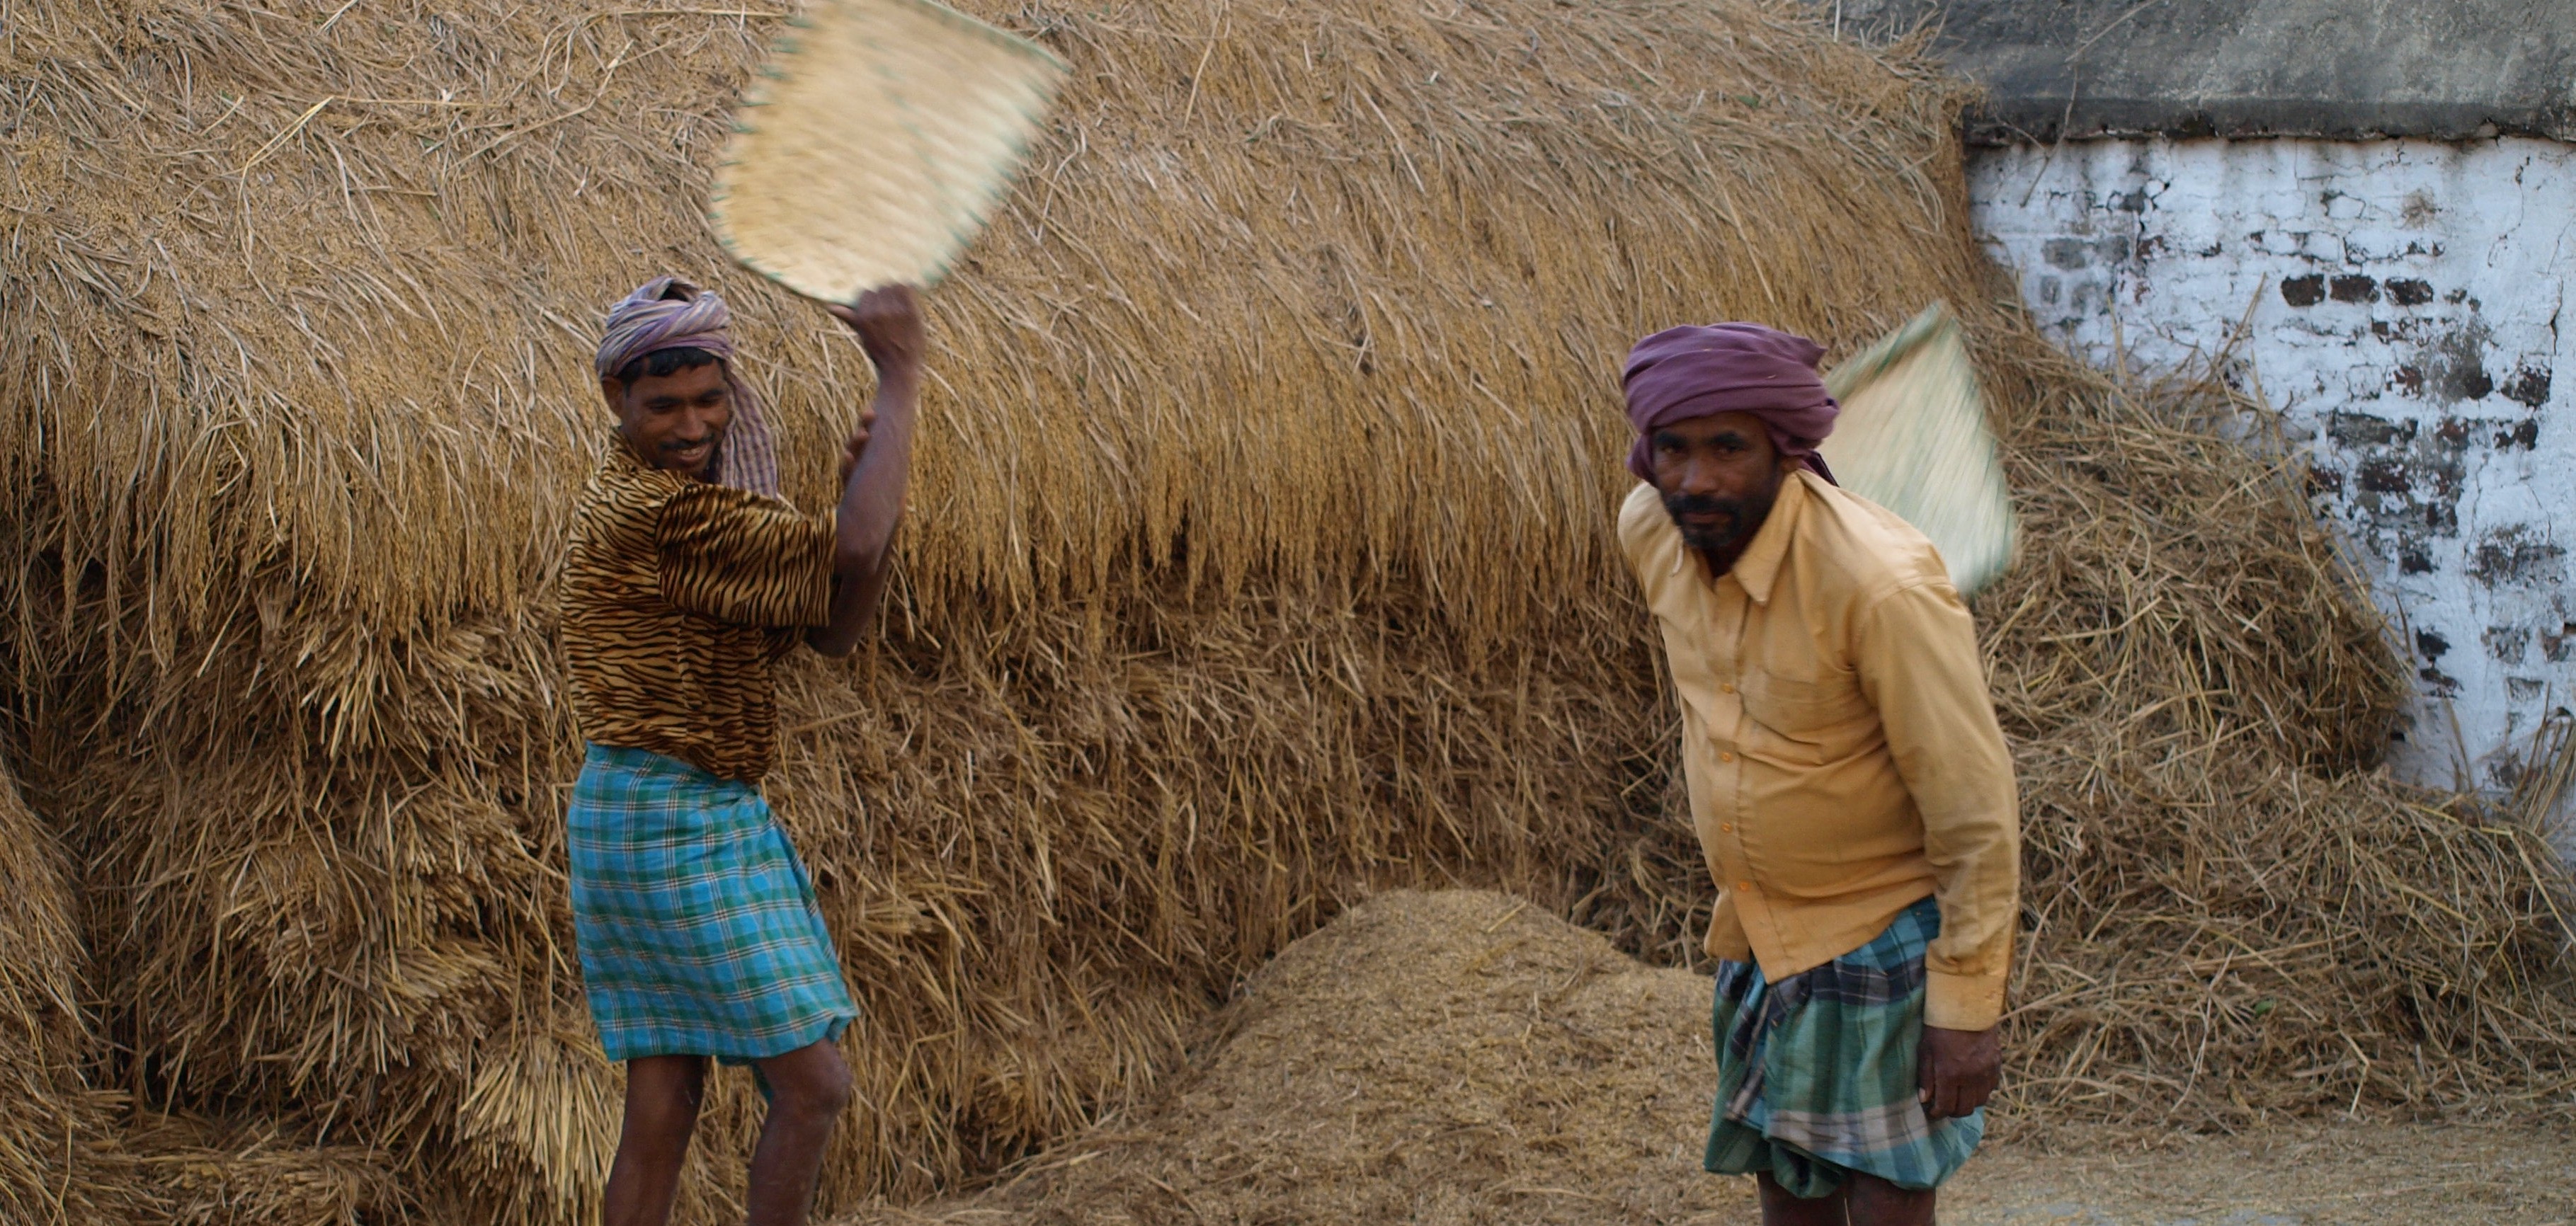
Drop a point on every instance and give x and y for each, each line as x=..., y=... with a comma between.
x=1962, y=1002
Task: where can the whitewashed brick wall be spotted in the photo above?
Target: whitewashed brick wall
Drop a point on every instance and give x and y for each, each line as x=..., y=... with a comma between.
x=2405, y=299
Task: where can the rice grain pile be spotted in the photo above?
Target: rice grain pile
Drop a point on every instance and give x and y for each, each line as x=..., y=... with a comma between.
x=1259, y=559
x=1449, y=1058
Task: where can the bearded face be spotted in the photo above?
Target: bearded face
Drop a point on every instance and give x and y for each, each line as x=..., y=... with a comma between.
x=1718, y=476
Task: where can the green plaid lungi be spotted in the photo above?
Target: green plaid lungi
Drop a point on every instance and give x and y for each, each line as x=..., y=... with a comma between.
x=1816, y=1074
x=696, y=923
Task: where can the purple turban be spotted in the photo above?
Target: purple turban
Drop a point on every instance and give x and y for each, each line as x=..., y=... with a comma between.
x=1681, y=373
x=669, y=313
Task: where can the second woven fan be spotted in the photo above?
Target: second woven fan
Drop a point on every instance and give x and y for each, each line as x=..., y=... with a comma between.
x=1913, y=438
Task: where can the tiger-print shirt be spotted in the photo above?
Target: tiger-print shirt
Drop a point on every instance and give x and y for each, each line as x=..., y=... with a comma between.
x=679, y=596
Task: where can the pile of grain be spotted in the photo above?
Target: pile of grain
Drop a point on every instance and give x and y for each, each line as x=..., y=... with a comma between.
x=1452, y=1057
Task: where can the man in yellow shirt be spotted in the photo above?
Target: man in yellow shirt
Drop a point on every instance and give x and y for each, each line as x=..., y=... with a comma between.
x=1850, y=787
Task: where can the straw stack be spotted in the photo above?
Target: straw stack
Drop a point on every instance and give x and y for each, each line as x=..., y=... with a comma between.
x=57, y=1134
x=1258, y=558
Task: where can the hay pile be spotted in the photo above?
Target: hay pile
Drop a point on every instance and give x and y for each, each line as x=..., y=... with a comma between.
x=56, y=1124
x=1259, y=559
x=2226, y=915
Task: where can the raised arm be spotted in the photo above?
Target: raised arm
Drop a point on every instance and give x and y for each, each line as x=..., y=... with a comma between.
x=876, y=465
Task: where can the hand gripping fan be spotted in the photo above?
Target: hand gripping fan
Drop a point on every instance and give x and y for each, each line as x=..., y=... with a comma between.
x=1913, y=438
x=875, y=142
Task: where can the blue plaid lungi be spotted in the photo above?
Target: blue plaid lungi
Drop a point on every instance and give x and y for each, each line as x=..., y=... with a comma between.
x=697, y=926
x=1817, y=1074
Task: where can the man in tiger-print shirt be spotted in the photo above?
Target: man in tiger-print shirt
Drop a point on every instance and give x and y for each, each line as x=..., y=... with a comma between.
x=687, y=580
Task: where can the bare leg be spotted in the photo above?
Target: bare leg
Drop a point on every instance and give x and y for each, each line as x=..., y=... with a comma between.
x=1781, y=1209
x=809, y=1089
x=662, y=1096
x=1876, y=1202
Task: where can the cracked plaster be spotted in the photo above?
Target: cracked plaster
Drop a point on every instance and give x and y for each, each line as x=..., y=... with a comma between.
x=2401, y=301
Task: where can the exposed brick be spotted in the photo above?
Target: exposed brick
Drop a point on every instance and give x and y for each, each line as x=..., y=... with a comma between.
x=2406, y=291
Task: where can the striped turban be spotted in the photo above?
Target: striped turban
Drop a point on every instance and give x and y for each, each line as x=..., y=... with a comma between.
x=1681, y=373
x=669, y=313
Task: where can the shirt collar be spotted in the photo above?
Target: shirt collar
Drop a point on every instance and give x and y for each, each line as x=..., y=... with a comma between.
x=1761, y=561
x=620, y=452
x=623, y=457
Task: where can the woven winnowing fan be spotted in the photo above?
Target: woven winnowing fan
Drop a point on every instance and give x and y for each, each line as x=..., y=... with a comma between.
x=877, y=139
x=1913, y=438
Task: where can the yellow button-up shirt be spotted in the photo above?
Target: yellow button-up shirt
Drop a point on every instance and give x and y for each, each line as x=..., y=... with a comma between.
x=1839, y=742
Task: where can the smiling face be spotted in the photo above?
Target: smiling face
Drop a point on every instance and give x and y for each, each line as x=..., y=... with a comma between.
x=1718, y=476
x=674, y=421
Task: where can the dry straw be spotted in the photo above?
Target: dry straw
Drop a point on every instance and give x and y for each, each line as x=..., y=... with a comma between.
x=1259, y=558
x=53, y=1124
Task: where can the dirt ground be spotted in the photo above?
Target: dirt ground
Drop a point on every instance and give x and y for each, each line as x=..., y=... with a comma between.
x=1462, y=1057
x=2289, y=1175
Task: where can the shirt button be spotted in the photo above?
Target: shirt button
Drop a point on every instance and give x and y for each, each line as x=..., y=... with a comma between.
x=1726, y=757
x=1726, y=828
x=1727, y=688
x=1744, y=885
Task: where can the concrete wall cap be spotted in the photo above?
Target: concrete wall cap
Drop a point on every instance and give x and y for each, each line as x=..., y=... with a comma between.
x=2071, y=69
